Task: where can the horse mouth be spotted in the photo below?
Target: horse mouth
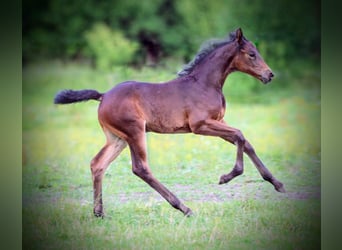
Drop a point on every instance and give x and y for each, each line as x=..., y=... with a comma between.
x=266, y=80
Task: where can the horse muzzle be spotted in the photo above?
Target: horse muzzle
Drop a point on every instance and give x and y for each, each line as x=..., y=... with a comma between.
x=267, y=77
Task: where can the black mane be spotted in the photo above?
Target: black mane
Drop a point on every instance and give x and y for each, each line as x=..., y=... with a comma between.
x=205, y=49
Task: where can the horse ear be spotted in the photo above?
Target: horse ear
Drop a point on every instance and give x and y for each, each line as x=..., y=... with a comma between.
x=239, y=35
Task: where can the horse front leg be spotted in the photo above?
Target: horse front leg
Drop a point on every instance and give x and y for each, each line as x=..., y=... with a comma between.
x=232, y=135
x=220, y=129
x=264, y=172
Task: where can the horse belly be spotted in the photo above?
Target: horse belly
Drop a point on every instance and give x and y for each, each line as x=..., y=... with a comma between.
x=167, y=125
x=176, y=130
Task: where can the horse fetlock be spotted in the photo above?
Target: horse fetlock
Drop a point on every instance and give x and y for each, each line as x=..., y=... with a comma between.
x=238, y=170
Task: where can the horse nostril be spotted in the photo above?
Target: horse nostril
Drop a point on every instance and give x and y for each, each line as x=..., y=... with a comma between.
x=271, y=74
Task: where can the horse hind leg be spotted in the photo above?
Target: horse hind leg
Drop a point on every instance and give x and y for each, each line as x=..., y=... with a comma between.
x=140, y=168
x=100, y=163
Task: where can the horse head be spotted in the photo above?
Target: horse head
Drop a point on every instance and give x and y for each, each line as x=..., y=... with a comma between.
x=248, y=59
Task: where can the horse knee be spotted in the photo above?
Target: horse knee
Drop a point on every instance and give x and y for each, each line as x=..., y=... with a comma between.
x=239, y=138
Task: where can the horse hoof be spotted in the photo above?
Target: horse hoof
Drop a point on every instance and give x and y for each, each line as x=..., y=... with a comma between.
x=99, y=214
x=280, y=188
x=188, y=213
x=223, y=179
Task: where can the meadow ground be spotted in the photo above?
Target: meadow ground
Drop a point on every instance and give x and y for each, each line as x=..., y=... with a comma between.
x=247, y=213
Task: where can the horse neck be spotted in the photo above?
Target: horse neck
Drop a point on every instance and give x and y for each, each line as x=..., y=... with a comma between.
x=215, y=68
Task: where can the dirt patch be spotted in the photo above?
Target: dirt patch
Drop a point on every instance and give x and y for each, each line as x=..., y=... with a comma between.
x=224, y=193
x=244, y=190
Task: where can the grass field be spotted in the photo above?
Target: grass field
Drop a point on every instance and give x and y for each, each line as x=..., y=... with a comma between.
x=283, y=124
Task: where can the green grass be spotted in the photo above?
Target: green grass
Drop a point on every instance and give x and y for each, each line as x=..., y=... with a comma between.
x=59, y=142
x=246, y=224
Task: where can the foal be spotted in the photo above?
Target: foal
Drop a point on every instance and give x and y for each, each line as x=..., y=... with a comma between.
x=191, y=103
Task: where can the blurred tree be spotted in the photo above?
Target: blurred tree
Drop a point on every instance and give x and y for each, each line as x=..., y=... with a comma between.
x=282, y=29
x=110, y=48
x=156, y=24
x=291, y=29
x=55, y=28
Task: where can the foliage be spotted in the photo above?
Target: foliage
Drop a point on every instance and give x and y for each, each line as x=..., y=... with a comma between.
x=284, y=29
x=109, y=47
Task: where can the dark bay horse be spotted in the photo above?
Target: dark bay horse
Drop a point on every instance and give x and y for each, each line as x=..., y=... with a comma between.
x=191, y=103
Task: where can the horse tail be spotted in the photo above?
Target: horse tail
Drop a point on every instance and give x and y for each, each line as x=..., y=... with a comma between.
x=71, y=96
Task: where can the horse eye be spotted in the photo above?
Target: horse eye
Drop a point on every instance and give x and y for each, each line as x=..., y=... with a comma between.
x=251, y=55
